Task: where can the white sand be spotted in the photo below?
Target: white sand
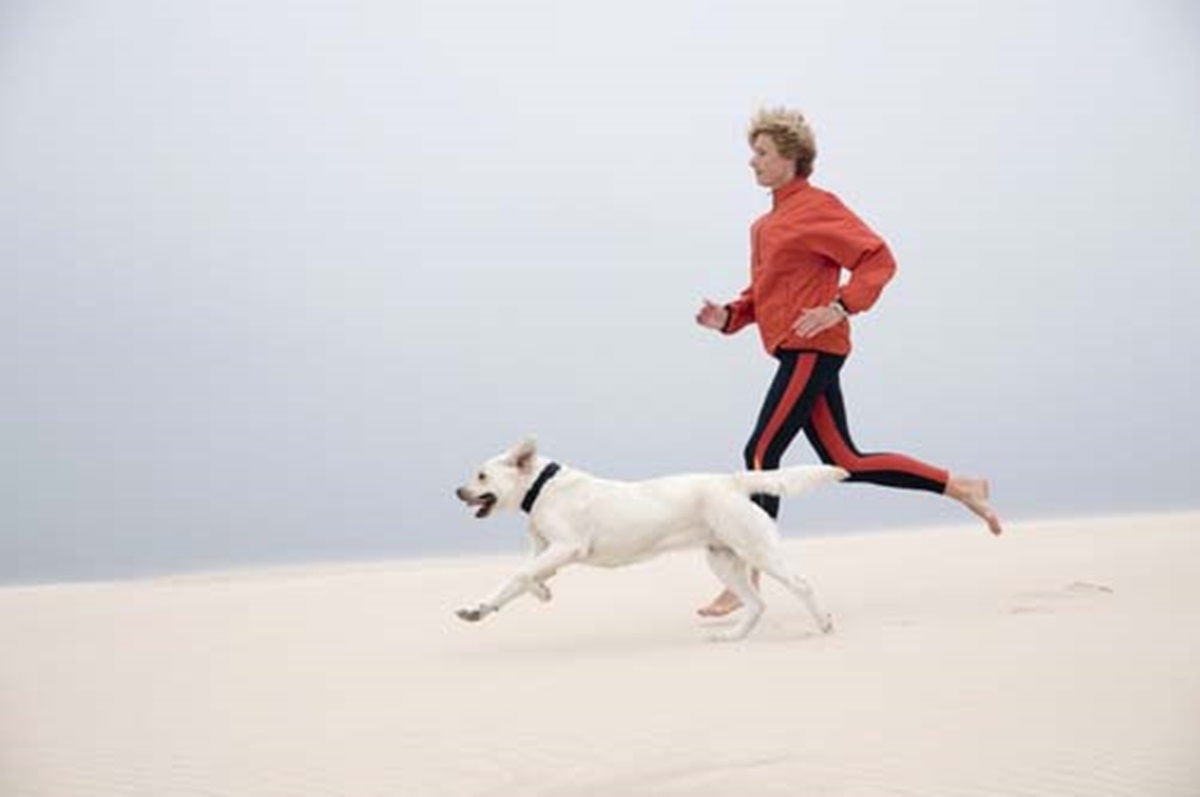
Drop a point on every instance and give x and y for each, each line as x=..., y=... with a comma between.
x=1061, y=659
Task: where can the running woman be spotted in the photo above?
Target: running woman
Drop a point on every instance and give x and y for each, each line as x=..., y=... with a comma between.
x=798, y=251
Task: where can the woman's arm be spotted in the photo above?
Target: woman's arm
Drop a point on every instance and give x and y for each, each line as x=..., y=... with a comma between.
x=740, y=312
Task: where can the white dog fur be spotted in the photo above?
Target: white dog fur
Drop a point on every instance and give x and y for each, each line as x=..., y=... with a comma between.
x=579, y=518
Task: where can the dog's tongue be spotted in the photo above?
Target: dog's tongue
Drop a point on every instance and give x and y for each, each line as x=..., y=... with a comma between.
x=485, y=504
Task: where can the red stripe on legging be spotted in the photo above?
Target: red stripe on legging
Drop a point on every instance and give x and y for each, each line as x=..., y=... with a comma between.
x=804, y=368
x=844, y=456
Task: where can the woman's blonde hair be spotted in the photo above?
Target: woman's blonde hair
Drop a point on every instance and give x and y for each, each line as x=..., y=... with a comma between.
x=792, y=136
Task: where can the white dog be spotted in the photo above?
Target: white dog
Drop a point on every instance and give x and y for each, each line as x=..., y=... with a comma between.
x=575, y=517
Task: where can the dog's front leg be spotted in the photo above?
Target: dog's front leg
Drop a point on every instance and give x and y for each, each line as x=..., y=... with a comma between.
x=528, y=579
x=538, y=588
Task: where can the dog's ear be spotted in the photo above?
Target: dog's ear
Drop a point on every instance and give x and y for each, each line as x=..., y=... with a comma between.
x=524, y=453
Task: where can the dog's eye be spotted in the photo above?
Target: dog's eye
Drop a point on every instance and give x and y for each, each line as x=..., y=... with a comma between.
x=482, y=476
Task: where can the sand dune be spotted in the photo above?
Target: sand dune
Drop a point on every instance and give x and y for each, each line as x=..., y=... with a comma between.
x=1061, y=659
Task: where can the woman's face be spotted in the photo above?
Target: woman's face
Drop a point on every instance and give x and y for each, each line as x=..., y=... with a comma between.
x=771, y=169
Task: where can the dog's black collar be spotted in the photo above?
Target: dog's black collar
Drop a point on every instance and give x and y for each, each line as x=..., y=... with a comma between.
x=546, y=475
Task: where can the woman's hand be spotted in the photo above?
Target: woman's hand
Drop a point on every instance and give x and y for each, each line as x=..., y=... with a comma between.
x=816, y=320
x=712, y=315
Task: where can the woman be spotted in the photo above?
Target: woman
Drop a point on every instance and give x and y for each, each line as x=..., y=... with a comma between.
x=798, y=251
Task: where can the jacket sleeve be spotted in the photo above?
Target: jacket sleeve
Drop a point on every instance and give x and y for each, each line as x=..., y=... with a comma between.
x=740, y=312
x=854, y=246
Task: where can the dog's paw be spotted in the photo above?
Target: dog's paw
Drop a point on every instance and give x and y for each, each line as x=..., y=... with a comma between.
x=471, y=615
x=730, y=635
x=826, y=624
x=541, y=591
x=739, y=631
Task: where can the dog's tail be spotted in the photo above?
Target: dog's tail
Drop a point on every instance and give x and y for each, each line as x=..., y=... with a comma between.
x=789, y=481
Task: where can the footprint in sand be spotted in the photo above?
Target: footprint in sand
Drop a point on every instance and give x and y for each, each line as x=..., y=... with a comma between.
x=1037, y=601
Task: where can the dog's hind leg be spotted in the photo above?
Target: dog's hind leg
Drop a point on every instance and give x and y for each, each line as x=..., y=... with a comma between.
x=749, y=532
x=732, y=572
x=773, y=565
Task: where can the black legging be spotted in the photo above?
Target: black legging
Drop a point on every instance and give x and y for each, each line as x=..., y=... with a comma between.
x=807, y=394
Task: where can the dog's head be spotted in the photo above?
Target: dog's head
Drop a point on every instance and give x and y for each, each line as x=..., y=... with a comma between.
x=502, y=481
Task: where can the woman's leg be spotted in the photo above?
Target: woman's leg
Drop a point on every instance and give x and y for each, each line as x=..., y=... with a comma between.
x=799, y=382
x=829, y=433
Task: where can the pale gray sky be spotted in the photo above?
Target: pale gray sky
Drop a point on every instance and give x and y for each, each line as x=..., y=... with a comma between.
x=276, y=275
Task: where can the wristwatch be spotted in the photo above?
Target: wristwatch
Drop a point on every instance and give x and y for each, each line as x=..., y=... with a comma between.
x=837, y=304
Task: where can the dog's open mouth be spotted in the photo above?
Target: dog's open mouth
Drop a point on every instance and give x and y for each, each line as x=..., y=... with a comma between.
x=485, y=502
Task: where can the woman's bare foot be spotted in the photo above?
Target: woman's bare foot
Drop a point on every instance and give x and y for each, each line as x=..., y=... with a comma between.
x=727, y=602
x=723, y=604
x=974, y=494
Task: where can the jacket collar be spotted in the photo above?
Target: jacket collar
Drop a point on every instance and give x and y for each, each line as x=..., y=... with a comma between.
x=786, y=192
